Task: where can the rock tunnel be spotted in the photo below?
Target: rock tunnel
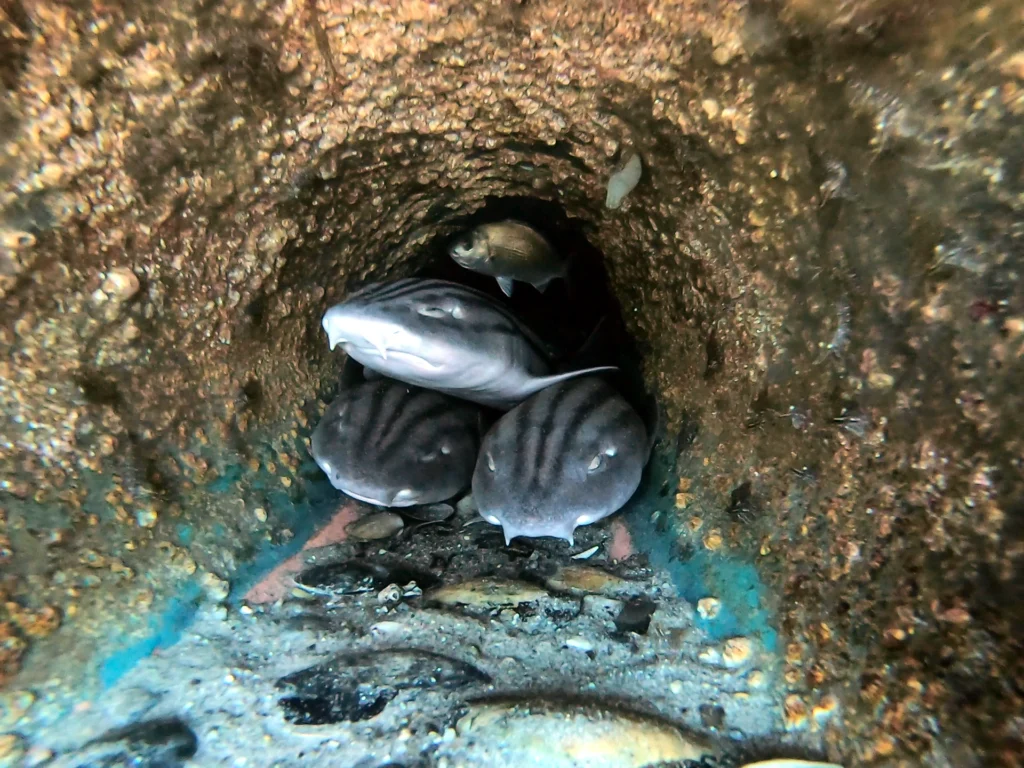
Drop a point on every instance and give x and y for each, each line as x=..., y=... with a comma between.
x=820, y=270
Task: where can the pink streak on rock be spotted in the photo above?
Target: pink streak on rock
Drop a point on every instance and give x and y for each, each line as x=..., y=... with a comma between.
x=622, y=543
x=278, y=583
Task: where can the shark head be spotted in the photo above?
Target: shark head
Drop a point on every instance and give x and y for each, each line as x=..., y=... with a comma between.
x=380, y=336
x=418, y=331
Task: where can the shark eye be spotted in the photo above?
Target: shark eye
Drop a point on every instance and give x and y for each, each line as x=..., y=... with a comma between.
x=595, y=464
x=431, y=311
x=490, y=462
x=445, y=449
x=454, y=310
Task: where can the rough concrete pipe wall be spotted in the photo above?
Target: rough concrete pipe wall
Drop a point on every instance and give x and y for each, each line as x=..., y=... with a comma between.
x=822, y=262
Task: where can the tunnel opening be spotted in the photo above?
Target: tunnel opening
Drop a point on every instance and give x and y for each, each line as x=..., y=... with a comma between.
x=837, y=371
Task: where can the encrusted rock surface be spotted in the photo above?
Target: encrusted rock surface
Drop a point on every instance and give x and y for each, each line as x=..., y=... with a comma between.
x=822, y=263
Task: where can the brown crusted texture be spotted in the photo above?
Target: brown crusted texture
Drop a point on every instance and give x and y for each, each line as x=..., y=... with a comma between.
x=823, y=259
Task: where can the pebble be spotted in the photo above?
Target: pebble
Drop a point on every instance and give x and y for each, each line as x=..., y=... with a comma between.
x=352, y=687
x=146, y=518
x=713, y=539
x=560, y=734
x=737, y=651
x=602, y=607
x=786, y=762
x=794, y=713
x=215, y=587
x=430, y=513
x=588, y=580
x=13, y=706
x=710, y=656
x=487, y=592
x=261, y=514
x=676, y=687
x=712, y=716
x=466, y=507
x=378, y=525
x=579, y=644
x=756, y=679
x=387, y=629
x=120, y=284
x=16, y=239
x=708, y=607
x=635, y=616
x=623, y=181
x=12, y=748
x=880, y=380
x=824, y=710
x=38, y=756
x=586, y=554
x=390, y=595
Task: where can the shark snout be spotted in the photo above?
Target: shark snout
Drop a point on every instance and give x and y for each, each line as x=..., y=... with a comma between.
x=330, y=325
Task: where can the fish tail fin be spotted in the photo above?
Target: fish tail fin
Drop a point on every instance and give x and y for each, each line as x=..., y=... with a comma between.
x=546, y=381
x=506, y=285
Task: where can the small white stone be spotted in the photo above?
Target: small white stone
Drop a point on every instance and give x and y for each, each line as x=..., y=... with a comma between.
x=676, y=687
x=586, y=554
x=579, y=644
x=710, y=656
x=601, y=607
x=623, y=181
x=120, y=284
x=387, y=628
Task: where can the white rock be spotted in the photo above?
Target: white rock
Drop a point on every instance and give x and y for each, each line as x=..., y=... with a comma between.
x=623, y=181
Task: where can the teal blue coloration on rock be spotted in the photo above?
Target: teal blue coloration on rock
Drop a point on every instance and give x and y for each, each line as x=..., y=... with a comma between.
x=735, y=582
x=228, y=480
x=185, y=534
x=302, y=517
x=738, y=587
x=165, y=630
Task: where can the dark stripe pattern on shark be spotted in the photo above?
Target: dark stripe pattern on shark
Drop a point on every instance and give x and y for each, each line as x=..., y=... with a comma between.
x=568, y=456
x=393, y=445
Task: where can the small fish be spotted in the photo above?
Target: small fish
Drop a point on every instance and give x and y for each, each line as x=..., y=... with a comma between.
x=446, y=337
x=509, y=250
x=569, y=456
x=393, y=445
